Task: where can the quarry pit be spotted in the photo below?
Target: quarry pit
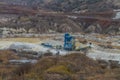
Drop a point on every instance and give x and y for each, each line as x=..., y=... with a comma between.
x=102, y=47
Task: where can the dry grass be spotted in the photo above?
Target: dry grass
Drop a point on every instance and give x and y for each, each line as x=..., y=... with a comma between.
x=6, y=55
x=29, y=40
x=60, y=69
x=73, y=66
x=5, y=67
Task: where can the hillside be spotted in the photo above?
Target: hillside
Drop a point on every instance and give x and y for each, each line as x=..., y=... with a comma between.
x=59, y=39
x=68, y=5
x=69, y=67
x=44, y=16
x=77, y=5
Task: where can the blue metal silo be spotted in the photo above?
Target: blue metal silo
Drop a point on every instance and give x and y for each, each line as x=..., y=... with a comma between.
x=68, y=42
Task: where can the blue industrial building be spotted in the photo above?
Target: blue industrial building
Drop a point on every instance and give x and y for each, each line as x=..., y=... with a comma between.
x=68, y=42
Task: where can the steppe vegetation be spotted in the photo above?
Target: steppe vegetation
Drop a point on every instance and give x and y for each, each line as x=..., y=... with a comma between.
x=69, y=67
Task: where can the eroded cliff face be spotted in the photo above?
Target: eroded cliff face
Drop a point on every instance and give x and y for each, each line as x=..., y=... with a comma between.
x=68, y=5
x=59, y=16
x=43, y=24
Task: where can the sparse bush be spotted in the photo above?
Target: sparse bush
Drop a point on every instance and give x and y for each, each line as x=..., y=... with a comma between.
x=59, y=69
x=23, y=69
x=68, y=67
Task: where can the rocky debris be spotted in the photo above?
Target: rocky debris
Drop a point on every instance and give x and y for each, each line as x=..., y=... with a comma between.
x=91, y=28
x=64, y=28
x=104, y=55
x=22, y=61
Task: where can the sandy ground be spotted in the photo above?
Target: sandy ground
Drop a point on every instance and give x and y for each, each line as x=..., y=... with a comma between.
x=103, y=55
x=106, y=54
x=28, y=40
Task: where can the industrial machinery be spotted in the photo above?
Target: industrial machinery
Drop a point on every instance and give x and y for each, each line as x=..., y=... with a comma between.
x=69, y=42
x=47, y=45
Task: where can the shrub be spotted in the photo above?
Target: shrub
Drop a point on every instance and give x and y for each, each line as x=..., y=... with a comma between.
x=60, y=69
